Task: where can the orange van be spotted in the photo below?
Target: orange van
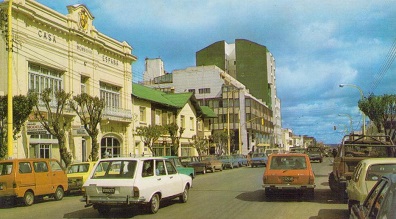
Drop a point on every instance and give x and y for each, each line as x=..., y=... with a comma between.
x=25, y=179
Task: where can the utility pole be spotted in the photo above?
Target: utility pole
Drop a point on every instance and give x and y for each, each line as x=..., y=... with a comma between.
x=10, y=139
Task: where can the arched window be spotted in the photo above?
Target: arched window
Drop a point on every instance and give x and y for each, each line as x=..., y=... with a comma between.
x=110, y=147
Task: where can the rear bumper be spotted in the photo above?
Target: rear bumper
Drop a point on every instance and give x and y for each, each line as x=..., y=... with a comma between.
x=288, y=187
x=112, y=200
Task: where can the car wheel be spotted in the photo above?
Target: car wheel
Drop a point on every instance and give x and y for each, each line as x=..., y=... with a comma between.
x=28, y=198
x=104, y=210
x=184, y=196
x=332, y=182
x=154, y=204
x=59, y=193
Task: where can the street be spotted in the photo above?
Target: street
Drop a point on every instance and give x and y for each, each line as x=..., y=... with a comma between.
x=235, y=193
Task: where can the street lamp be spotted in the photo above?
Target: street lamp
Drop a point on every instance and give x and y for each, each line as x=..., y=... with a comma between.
x=350, y=120
x=361, y=97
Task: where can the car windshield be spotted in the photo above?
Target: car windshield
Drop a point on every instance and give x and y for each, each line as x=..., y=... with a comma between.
x=288, y=162
x=115, y=169
x=357, y=150
x=78, y=168
x=376, y=171
x=5, y=168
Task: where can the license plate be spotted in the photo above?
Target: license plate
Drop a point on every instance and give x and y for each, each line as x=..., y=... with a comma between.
x=287, y=179
x=107, y=190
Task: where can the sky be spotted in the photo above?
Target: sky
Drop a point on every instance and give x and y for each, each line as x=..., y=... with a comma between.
x=317, y=45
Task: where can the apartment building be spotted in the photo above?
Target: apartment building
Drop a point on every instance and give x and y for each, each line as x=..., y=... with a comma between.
x=53, y=50
x=251, y=64
x=247, y=119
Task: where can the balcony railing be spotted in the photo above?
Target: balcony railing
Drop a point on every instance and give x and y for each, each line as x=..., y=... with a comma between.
x=117, y=112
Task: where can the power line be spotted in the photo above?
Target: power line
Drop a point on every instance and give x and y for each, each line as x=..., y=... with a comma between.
x=390, y=57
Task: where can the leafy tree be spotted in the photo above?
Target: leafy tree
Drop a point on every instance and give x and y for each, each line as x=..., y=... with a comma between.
x=173, y=130
x=381, y=110
x=89, y=109
x=22, y=107
x=221, y=140
x=150, y=134
x=55, y=122
x=200, y=144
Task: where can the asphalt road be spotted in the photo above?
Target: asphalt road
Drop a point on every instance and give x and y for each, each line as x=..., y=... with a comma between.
x=235, y=193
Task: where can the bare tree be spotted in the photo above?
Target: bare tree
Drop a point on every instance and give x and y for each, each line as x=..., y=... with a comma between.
x=175, y=134
x=54, y=120
x=89, y=109
x=200, y=144
x=150, y=134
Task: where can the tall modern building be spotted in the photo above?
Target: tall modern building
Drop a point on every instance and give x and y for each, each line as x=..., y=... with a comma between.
x=247, y=119
x=251, y=64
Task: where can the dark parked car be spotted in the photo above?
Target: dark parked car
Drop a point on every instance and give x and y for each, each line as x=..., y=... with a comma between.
x=212, y=163
x=194, y=162
x=380, y=202
x=315, y=154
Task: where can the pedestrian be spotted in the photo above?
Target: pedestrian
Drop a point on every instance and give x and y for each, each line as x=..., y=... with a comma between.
x=334, y=152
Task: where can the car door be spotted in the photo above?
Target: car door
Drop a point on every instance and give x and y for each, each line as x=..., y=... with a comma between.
x=174, y=181
x=163, y=178
x=368, y=208
x=149, y=183
x=42, y=178
x=57, y=175
x=353, y=184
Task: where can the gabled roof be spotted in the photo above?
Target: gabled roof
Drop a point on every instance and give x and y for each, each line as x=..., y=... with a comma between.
x=208, y=112
x=179, y=99
x=152, y=95
x=173, y=100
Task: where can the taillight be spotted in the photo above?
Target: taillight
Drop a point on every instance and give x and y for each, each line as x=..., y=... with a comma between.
x=136, y=192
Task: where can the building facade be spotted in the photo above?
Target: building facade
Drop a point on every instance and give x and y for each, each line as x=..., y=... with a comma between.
x=52, y=50
x=244, y=117
x=153, y=107
x=251, y=64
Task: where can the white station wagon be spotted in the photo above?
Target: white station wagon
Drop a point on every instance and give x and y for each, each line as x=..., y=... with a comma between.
x=129, y=181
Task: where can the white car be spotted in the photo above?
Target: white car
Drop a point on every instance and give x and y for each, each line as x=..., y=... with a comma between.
x=129, y=181
x=364, y=177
